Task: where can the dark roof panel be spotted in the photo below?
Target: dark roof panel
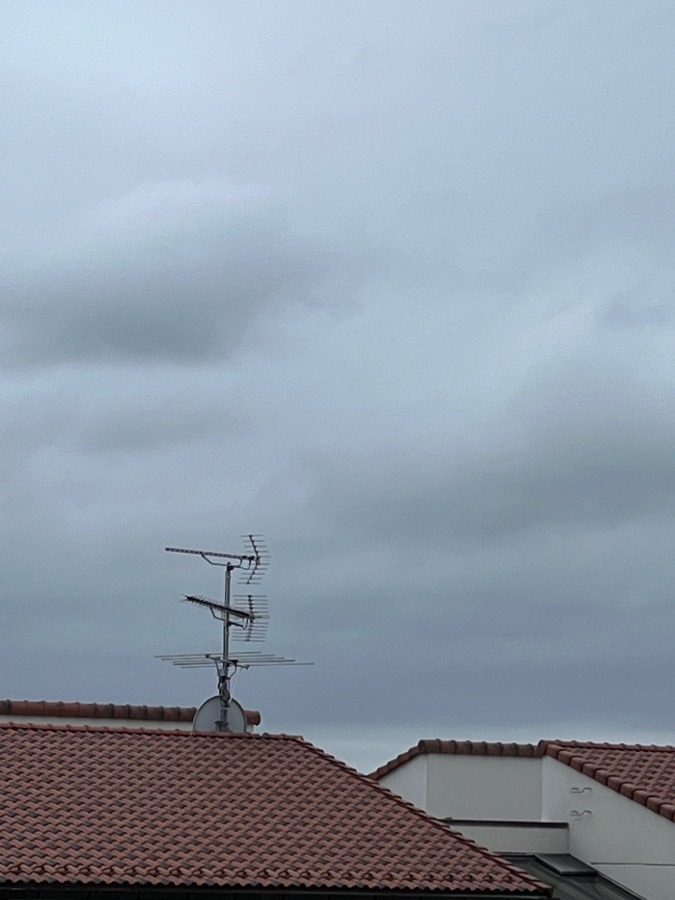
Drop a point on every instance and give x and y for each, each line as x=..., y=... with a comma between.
x=573, y=885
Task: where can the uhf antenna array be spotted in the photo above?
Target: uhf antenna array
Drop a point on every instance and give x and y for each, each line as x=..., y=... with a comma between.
x=246, y=612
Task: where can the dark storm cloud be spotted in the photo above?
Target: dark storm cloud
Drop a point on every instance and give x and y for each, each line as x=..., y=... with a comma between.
x=174, y=272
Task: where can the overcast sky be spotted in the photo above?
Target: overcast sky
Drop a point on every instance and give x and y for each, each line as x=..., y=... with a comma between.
x=391, y=283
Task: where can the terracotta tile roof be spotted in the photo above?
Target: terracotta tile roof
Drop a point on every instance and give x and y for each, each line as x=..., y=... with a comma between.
x=642, y=772
x=460, y=748
x=109, y=806
x=59, y=709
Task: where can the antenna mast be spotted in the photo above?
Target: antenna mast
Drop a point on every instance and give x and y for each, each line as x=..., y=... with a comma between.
x=247, y=612
x=254, y=563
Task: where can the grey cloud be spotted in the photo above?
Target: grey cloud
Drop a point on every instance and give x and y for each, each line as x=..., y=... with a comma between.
x=538, y=597
x=153, y=425
x=572, y=473
x=123, y=414
x=636, y=313
x=447, y=692
x=174, y=272
x=30, y=421
x=462, y=243
x=537, y=557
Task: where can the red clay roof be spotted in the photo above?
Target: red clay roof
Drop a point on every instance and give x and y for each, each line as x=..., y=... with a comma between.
x=642, y=772
x=460, y=748
x=84, y=805
x=59, y=709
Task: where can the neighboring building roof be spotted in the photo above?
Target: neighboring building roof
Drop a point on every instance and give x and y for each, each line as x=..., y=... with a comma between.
x=58, y=709
x=74, y=710
x=460, y=748
x=642, y=772
x=108, y=806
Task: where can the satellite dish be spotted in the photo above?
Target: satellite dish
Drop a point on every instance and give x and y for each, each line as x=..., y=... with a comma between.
x=207, y=716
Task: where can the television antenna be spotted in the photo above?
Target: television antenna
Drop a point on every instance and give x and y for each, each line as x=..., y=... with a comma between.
x=246, y=612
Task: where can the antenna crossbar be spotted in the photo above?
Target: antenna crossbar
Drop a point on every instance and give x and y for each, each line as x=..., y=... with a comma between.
x=241, y=661
x=220, y=607
x=249, y=557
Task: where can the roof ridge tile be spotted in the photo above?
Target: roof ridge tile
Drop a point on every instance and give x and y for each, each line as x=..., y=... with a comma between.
x=622, y=768
x=133, y=712
x=455, y=747
x=128, y=729
x=544, y=747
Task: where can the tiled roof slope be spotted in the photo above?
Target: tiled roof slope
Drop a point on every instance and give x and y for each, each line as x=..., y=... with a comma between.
x=642, y=772
x=59, y=709
x=84, y=805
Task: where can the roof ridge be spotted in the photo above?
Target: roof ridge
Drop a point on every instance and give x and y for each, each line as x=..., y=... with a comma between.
x=466, y=747
x=31, y=707
x=77, y=709
x=400, y=801
x=610, y=745
x=61, y=726
x=590, y=760
x=127, y=729
x=160, y=733
x=505, y=748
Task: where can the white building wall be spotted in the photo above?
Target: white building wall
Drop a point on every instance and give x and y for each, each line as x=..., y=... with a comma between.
x=481, y=787
x=484, y=787
x=620, y=838
x=410, y=781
